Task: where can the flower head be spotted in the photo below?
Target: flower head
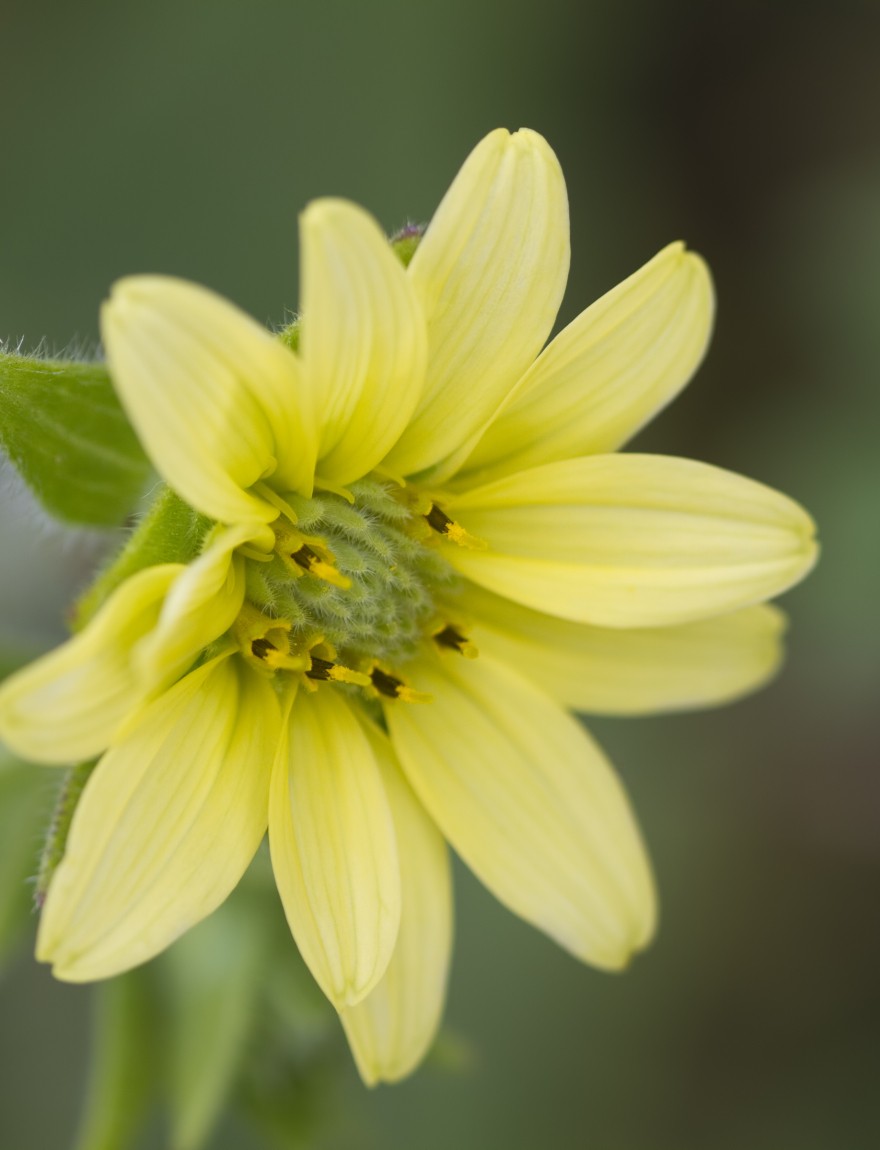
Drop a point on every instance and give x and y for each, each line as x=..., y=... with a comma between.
x=418, y=550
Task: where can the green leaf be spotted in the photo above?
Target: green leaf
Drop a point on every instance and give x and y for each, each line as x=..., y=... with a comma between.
x=24, y=807
x=122, y=1074
x=213, y=978
x=63, y=428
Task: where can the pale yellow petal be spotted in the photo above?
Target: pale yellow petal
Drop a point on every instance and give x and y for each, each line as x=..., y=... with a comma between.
x=68, y=705
x=203, y=603
x=490, y=273
x=391, y=1030
x=166, y=826
x=215, y=398
x=634, y=671
x=333, y=848
x=363, y=341
x=529, y=802
x=607, y=373
x=633, y=540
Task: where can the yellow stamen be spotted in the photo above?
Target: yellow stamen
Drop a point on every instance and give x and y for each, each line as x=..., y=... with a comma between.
x=347, y=675
x=463, y=538
x=306, y=558
x=443, y=525
x=305, y=554
x=279, y=661
x=408, y=695
x=448, y=636
x=324, y=671
x=264, y=641
x=393, y=688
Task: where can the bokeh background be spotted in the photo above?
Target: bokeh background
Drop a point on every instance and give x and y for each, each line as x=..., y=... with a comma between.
x=184, y=138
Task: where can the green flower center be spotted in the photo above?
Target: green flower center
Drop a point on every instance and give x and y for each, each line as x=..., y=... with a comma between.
x=361, y=578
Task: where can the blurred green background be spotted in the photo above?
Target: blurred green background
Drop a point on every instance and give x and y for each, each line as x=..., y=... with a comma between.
x=183, y=138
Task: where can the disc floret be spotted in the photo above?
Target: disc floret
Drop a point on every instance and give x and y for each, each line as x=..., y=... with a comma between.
x=357, y=577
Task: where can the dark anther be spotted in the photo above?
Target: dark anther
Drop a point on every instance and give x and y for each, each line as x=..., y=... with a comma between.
x=439, y=520
x=385, y=684
x=320, y=669
x=449, y=637
x=262, y=647
x=305, y=557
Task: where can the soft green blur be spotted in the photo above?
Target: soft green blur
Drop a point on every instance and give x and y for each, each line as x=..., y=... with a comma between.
x=184, y=138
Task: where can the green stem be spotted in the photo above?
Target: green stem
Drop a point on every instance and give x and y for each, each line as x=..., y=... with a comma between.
x=123, y=1075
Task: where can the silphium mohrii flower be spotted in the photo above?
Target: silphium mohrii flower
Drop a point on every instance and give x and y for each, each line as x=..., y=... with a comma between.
x=422, y=551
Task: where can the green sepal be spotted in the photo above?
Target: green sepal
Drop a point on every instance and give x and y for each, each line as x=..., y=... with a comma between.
x=122, y=1071
x=64, y=429
x=211, y=980
x=170, y=532
x=289, y=335
x=405, y=242
x=24, y=803
x=69, y=793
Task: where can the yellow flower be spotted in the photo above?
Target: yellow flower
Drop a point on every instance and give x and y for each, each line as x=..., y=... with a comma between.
x=425, y=550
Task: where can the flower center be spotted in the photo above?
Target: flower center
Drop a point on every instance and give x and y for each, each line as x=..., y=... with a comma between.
x=351, y=588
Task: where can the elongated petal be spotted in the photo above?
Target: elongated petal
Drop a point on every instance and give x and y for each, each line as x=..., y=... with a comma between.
x=363, y=342
x=333, y=848
x=391, y=1030
x=490, y=273
x=634, y=671
x=166, y=826
x=608, y=373
x=202, y=604
x=527, y=799
x=215, y=399
x=68, y=705
x=633, y=540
